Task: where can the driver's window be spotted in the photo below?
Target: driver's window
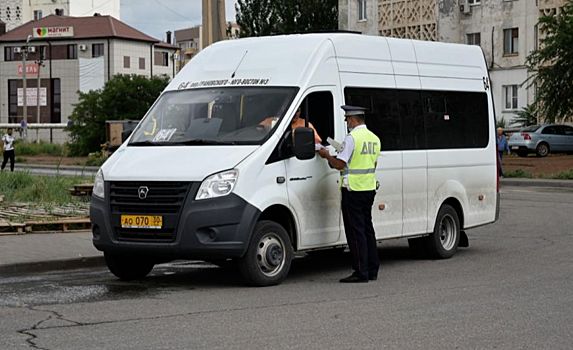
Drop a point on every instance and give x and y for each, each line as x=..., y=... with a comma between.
x=321, y=114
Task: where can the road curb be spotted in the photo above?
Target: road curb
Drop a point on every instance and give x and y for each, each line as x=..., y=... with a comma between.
x=59, y=167
x=537, y=183
x=51, y=265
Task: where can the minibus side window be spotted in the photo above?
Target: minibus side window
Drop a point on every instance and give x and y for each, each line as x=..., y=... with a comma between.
x=460, y=121
x=382, y=117
x=413, y=130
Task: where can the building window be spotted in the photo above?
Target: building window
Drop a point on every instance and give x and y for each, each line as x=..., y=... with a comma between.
x=56, y=101
x=97, y=50
x=510, y=96
x=474, y=39
x=43, y=52
x=511, y=41
x=474, y=2
x=37, y=15
x=362, y=10
x=12, y=101
x=141, y=63
x=126, y=62
x=165, y=59
x=8, y=53
x=72, y=52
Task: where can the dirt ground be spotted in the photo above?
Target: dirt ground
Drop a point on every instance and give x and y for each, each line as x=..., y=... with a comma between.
x=52, y=160
x=553, y=163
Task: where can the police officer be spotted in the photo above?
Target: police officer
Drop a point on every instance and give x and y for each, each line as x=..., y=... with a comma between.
x=357, y=161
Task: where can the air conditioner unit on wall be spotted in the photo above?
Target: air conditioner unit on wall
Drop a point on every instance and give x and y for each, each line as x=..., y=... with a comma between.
x=17, y=50
x=82, y=47
x=465, y=7
x=32, y=49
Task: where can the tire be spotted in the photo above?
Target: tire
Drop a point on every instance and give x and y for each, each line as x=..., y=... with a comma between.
x=542, y=150
x=522, y=153
x=443, y=242
x=128, y=267
x=268, y=257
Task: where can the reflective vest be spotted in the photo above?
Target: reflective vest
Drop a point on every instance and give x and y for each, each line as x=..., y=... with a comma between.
x=360, y=172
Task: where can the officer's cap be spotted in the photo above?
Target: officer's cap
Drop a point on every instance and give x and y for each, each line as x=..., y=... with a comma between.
x=350, y=111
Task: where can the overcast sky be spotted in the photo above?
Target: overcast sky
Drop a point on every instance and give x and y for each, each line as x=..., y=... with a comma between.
x=158, y=16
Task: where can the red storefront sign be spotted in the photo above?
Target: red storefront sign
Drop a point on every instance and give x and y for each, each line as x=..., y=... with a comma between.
x=31, y=69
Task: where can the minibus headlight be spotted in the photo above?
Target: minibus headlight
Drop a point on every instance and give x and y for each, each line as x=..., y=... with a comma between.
x=99, y=188
x=218, y=185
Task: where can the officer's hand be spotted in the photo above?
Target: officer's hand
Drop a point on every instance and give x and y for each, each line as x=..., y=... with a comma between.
x=323, y=152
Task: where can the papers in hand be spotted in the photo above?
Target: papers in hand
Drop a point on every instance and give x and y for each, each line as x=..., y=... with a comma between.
x=318, y=146
x=337, y=146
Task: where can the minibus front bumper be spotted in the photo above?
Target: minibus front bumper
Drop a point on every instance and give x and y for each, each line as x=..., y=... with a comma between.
x=205, y=229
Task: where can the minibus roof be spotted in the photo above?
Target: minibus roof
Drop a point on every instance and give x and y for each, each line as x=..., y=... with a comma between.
x=284, y=60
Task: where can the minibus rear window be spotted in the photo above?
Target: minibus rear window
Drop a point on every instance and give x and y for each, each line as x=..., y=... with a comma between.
x=214, y=116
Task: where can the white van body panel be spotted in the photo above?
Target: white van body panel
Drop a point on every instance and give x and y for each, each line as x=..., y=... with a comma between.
x=157, y=163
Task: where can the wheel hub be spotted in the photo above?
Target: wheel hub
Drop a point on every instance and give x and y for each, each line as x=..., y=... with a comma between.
x=448, y=232
x=270, y=254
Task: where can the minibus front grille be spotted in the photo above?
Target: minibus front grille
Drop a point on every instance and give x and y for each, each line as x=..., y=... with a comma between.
x=165, y=199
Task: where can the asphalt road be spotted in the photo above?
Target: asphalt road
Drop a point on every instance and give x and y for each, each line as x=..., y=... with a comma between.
x=511, y=289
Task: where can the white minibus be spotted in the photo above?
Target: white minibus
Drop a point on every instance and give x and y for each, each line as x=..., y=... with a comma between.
x=215, y=172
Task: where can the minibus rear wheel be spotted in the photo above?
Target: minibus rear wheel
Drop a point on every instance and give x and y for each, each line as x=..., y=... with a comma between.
x=268, y=257
x=443, y=242
x=128, y=267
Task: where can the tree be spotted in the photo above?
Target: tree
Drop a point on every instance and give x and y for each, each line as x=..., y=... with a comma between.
x=124, y=97
x=269, y=17
x=526, y=116
x=551, y=66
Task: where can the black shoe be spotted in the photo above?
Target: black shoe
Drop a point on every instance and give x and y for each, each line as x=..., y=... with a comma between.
x=372, y=277
x=353, y=279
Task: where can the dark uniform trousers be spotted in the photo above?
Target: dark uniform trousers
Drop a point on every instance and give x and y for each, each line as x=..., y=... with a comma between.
x=8, y=155
x=360, y=235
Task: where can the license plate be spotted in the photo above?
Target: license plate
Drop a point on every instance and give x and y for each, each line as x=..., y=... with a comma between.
x=141, y=221
x=515, y=147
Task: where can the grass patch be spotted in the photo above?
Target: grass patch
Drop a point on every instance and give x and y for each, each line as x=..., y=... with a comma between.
x=518, y=173
x=21, y=160
x=34, y=149
x=564, y=175
x=25, y=187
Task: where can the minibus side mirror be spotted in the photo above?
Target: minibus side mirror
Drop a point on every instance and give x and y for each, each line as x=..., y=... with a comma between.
x=125, y=135
x=304, y=143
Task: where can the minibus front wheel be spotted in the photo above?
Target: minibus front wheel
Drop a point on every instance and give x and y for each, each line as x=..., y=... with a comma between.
x=268, y=257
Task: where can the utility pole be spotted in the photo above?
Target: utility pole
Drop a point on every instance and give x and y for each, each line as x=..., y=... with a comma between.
x=24, y=90
x=40, y=63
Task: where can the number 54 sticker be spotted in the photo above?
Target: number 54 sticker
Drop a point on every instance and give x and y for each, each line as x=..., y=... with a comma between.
x=486, y=83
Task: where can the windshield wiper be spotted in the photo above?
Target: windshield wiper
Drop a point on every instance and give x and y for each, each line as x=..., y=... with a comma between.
x=204, y=142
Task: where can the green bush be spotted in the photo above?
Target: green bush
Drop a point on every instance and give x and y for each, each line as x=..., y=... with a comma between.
x=25, y=187
x=518, y=173
x=23, y=148
x=564, y=175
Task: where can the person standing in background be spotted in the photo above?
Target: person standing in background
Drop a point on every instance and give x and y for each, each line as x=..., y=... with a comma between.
x=502, y=146
x=8, y=149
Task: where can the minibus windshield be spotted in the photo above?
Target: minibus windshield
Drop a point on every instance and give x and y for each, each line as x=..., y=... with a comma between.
x=214, y=116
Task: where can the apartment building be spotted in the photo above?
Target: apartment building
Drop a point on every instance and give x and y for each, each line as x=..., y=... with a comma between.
x=76, y=54
x=17, y=12
x=505, y=29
